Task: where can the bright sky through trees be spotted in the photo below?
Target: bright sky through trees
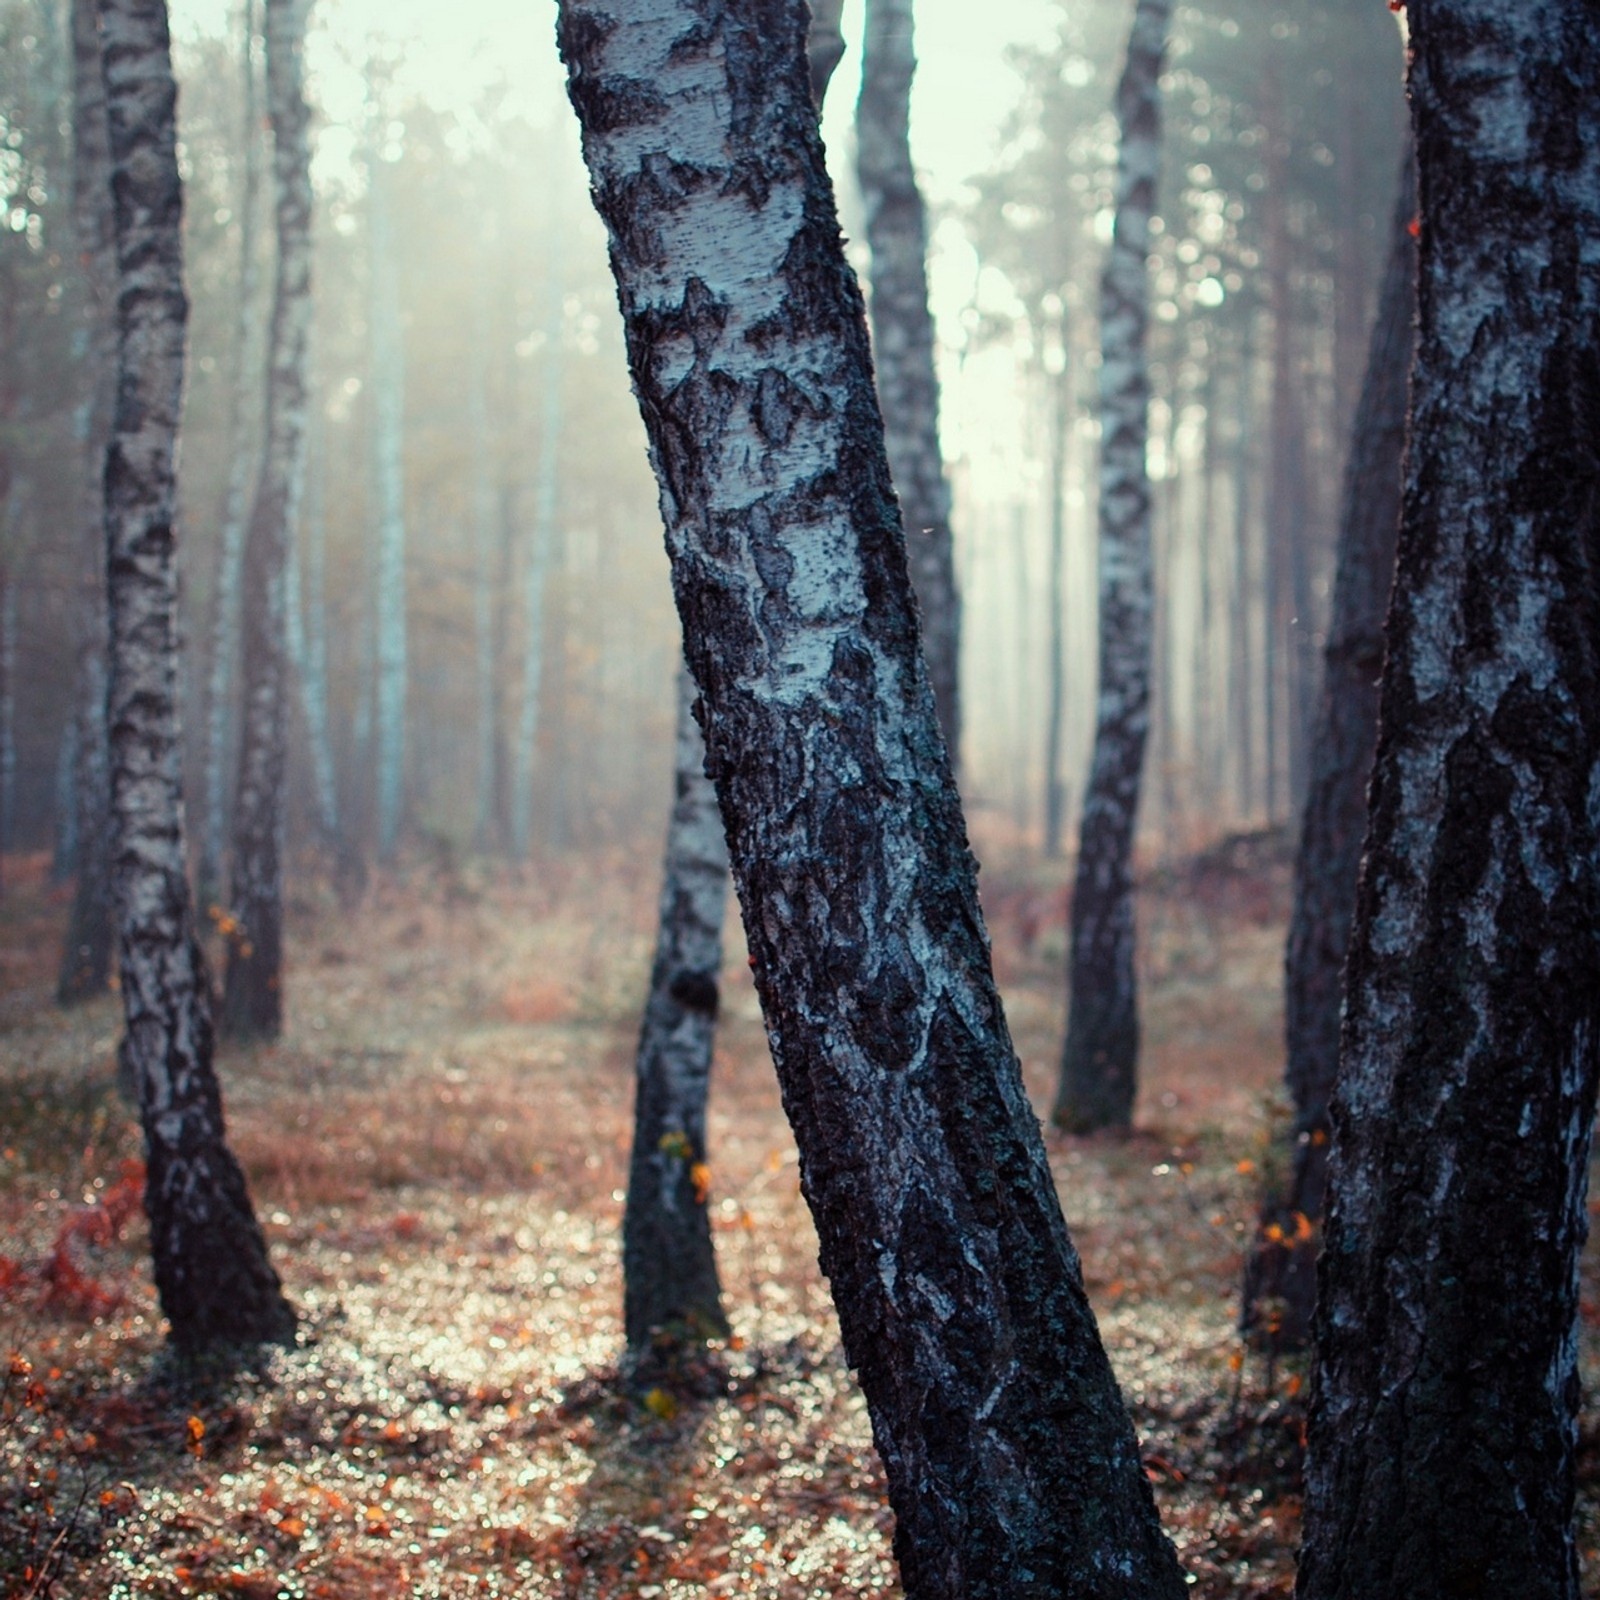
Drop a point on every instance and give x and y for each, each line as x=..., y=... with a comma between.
x=451, y=55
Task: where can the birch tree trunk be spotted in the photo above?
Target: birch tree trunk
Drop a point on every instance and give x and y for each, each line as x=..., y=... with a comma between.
x=86, y=950
x=902, y=342
x=388, y=425
x=669, y=1265
x=211, y=1269
x=1012, y=1466
x=1099, y=1063
x=1280, y=1274
x=1444, y=1421
x=307, y=621
x=225, y=607
x=670, y=1283
x=252, y=996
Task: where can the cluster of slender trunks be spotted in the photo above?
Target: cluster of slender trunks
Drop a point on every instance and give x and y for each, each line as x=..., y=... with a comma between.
x=816, y=750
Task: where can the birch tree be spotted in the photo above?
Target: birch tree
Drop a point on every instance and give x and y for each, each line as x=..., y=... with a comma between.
x=1280, y=1278
x=86, y=950
x=211, y=1268
x=1442, y=1433
x=242, y=453
x=1011, y=1462
x=669, y=1264
x=670, y=1281
x=307, y=628
x=252, y=997
x=903, y=345
x=1100, y=1060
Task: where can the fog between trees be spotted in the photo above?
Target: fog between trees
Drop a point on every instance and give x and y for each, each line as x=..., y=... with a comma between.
x=1279, y=158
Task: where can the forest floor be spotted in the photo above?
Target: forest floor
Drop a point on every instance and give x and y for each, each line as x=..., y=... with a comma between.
x=437, y=1149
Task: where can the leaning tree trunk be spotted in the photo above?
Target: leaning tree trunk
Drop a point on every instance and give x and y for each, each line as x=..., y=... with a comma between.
x=1012, y=1466
x=670, y=1281
x=225, y=600
x=902, y=343
x=1099, y=1063
x=1280, y=1273
x=252, y=995
x=86, y=951
x=669, y=1266
x=1443, y=1429
x=211, y=1268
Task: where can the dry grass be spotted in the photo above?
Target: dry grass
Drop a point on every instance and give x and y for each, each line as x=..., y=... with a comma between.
x=438, y=1149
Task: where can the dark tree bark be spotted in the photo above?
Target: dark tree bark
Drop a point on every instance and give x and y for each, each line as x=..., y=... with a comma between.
x=1280, y=1274
x=1099, y=1063
x=1012, y=1466
x=252, y=997
x=671, y=1289
x=669, y=1265
x=902, y=343
x=86, y=951
x=1443, y=1426
x=211, y=1268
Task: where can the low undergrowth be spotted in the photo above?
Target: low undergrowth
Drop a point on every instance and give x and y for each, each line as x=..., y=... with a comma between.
x=437, y=1149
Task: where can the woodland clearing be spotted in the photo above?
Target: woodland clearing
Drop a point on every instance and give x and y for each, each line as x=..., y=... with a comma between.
x=437, y=1149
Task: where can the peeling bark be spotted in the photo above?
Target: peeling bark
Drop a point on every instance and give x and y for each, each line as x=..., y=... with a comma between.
x=1280, y=1274
x=1441, y=1450
x=903, y=346
x=1099, y=1062
x=1011, y=1462
x=252, y=996
x=87, y=948
x=669, y=1266
x=211, y=1269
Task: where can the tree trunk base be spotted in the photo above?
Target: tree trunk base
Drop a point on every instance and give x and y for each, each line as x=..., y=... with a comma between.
x=216, y=1284
x=252, y=999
